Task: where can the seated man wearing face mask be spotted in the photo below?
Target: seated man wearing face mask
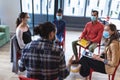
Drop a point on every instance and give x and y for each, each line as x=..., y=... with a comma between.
x=60, y=25
x=92, y=32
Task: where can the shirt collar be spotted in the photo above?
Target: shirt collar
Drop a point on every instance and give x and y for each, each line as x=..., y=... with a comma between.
x=95, y=22
x=45, y=40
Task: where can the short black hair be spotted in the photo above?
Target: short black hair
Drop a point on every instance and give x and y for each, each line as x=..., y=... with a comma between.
x=60, y=11
x=95, y=11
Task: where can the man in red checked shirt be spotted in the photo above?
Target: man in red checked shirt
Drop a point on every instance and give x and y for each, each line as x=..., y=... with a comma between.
x=92, y=32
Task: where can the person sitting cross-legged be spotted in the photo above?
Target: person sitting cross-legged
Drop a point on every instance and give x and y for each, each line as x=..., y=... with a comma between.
x=92, y=32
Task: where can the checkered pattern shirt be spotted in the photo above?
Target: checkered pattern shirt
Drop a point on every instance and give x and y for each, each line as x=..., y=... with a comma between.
x=43, y=60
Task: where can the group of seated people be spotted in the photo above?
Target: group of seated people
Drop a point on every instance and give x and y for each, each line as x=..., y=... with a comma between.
x=44, y=59
x=23, y=33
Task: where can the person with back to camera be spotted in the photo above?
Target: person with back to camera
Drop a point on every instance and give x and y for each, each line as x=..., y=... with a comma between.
x=43, y=59
x=23, y=33
x=92, y=32
x=60, y=25
x=111, y=57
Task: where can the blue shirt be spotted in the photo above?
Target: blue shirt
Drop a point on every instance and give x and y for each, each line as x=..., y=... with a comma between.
x=43, y=60
x=60, y=25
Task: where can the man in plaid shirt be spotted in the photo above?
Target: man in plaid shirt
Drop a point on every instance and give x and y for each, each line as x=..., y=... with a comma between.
x=42, y=58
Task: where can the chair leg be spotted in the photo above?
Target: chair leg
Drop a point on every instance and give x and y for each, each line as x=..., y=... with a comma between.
x=79, y=54
x=109, y=77
x=113, y=75
x=90, y=76
x=99, y=49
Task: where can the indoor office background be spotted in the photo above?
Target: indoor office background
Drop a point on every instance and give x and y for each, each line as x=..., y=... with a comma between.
x=76, y=13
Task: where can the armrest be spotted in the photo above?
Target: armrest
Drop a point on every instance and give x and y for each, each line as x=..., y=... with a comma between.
x=5, y=29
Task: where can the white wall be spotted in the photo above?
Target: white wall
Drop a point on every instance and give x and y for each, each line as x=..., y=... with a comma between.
x=9, y=11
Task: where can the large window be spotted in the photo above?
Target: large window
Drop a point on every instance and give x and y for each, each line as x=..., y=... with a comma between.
x=39, y=10
x=115, y=9
x=37, y=7
x=48, y=5
x=74, y=7
x=100, y=5
x=27, y=6
x=77, y=7
x=73, y=10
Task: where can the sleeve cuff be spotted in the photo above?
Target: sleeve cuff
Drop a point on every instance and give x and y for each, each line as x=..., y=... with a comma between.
x=105, y=61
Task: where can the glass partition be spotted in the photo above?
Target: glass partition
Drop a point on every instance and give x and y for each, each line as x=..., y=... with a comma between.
x=48, y=5
x=100, y=5
x=39, y=10
x=115, y=9
x=73, y=10
x=74, y=7
x=27, y=7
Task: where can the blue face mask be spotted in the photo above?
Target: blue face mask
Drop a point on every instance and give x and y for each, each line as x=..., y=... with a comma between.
x=59, y=17
x=106, y=34
x=93, y=18
x=29, y=20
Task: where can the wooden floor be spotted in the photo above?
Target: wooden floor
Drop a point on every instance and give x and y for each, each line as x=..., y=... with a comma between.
x=6, y=65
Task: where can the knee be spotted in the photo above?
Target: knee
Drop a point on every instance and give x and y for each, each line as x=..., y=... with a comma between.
x=91, y=49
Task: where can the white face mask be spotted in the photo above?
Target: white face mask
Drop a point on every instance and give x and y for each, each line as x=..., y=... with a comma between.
x=59, y=17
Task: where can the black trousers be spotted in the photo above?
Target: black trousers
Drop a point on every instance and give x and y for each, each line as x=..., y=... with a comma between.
x=87, y=63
